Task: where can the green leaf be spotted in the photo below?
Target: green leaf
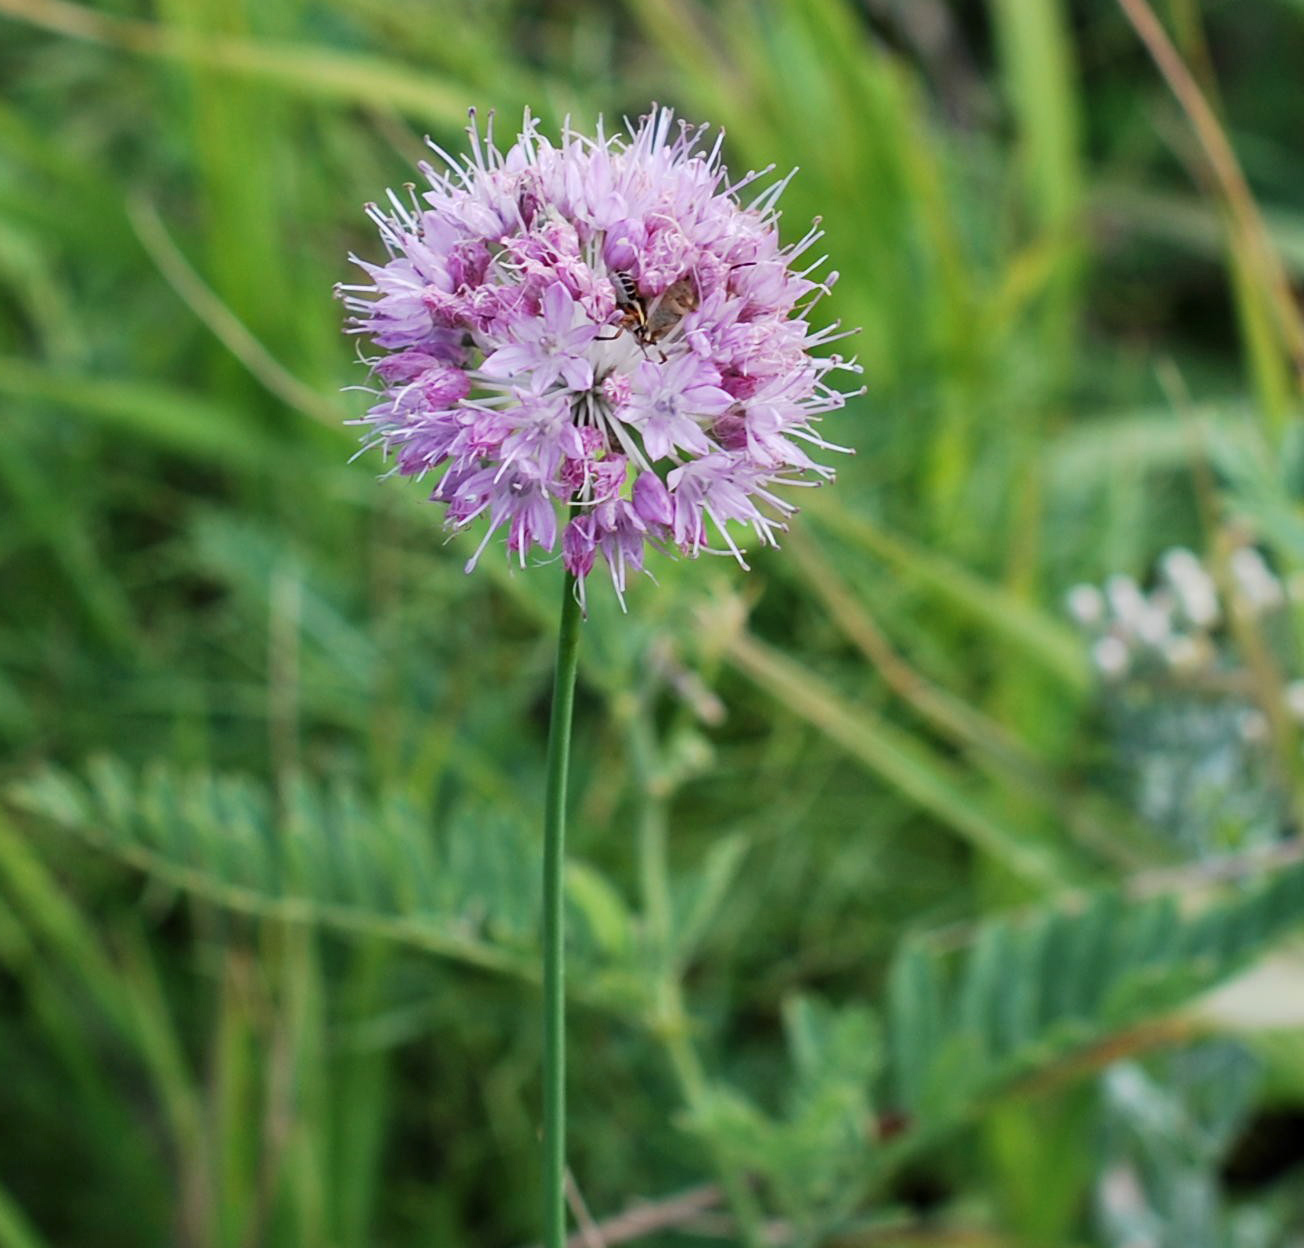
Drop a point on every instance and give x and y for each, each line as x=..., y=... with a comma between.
x=698, y=897
x=1039, y=636
x=1031, y=991
x=603, y=911
x=906, y=762
x=15, y=1230
x=173, y=419
x=914, y=1014
x=329, y=857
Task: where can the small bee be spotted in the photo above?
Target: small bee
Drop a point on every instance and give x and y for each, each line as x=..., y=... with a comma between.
x=650, y=322
x=670, y=307
x=633, y=312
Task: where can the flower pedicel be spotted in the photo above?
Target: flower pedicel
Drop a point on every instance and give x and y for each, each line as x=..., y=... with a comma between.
x=601, y=328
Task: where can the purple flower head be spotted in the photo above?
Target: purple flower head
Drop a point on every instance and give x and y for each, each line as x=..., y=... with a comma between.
x=605, y=330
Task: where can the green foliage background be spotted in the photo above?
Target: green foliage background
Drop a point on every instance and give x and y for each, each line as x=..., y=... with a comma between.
x=858, y=914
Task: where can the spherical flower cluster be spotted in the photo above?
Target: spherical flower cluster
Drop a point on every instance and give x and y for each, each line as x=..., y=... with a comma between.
x=602, y=328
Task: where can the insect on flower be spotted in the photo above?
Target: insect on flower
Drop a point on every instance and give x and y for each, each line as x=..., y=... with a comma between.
x=669, y=308
x=633, y=312
x=597, y=342
x=650, y=322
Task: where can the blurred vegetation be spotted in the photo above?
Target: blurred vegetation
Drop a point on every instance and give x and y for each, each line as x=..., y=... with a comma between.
x=874, y=941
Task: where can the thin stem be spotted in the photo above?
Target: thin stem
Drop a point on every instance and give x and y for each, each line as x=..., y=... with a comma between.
x=670, y=1022
x=554, y=971
x=1227, y=171
x=654, y=871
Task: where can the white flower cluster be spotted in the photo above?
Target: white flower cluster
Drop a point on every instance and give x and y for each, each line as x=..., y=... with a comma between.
x=1173, y=626
x=1186, y=717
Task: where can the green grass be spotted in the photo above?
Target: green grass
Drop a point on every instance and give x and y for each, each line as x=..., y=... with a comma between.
x=272, y=763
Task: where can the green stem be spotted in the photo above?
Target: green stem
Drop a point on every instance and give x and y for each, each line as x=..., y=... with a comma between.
x=554, y=971
x=670, y=1022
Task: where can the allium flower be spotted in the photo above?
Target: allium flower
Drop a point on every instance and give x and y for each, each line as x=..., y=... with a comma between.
x=602, y=328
